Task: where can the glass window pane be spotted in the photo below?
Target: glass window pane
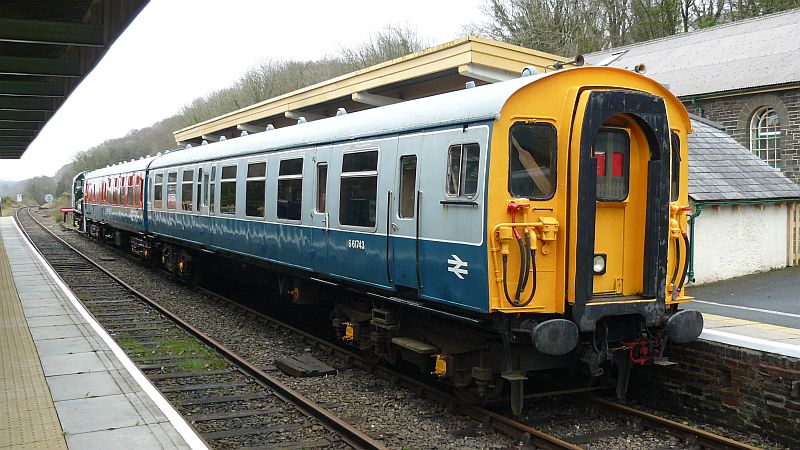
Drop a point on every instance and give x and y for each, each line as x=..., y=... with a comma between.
x=212, y=207
x=172, y=177
x=228, y=172
x=291, y=167
x=471, y=163
x=256, y=170
x=188, y=175
x=199, y=196
x=290, y=195
x=360, y=162
x=227, y=197
x=453, y=169
x=408, y=185
x=531, y=160
x=675, y=174
x=172, y=190
x=322, y=186
x=611, y=148
x=158, y=190
x=254, y=198
x=357, y=201
x=186, y=197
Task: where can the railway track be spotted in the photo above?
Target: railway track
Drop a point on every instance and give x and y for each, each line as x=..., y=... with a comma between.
x=230, y=402
x=630, y=422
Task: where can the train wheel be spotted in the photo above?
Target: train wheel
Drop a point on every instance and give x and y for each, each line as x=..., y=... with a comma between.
x=167, y=258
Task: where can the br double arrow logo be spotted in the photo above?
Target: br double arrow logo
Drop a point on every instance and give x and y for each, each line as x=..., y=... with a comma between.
x=456, y=266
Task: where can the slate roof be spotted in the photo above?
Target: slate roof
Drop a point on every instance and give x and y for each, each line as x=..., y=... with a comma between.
x=749, y=53
x=721, y=169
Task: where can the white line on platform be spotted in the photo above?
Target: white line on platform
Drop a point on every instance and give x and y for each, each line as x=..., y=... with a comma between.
x=767, y=311
x=177, y=421
x=763, y=345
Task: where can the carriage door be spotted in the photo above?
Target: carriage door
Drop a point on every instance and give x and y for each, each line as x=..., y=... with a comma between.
x=320, y=212
x=404, y=261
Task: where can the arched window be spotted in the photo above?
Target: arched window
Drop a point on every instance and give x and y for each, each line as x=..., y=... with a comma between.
x=765, y=132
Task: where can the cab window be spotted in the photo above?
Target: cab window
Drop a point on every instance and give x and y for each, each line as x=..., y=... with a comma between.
x=532, y=156
x=611, y=149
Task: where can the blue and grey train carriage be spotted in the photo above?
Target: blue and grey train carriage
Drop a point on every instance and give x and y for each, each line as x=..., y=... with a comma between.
x=483, y=234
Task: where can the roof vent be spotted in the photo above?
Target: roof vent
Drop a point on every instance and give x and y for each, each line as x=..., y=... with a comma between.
x=529, y=70
x=244, y=133
x=341, y=111
x=222, y=138
x=158, y=154
x=166, y=151
x=301, y=120
x=188, y=146
x=205, y=142
x=469, y=85
x=270, y=127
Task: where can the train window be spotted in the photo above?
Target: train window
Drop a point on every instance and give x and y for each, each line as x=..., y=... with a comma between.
x=359, y=189
x=199, y=200
x=532, y=156
x=158, y=191
x=123, y=190
x=115, y=200
x=186, y=189
x=322, y=186
x=611, y=149
x=290, y=189
x=172, y=190
x=212, y=199
x=462, y=169
x=408, y=185
x=129, y=199
x=675, y=173
x=255, y=195
x=227, y=190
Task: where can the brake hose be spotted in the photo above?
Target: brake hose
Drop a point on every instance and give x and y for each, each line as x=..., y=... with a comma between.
x=686, y=261
x=529, y=262
x=675, y=271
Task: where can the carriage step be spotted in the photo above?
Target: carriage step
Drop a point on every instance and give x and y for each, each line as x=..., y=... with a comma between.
x=415, y=346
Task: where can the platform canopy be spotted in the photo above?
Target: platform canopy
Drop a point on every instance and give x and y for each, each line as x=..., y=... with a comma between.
x=440, y=69
x=46, y=48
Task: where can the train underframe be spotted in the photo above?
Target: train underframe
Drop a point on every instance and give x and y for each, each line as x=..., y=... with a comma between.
x=483, y=357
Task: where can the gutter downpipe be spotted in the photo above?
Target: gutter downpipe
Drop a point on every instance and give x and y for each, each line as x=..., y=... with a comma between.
x=698, y=207
x=699, y=109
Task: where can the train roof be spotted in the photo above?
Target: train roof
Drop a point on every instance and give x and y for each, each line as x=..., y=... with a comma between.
x=465, y=106
x=135, y=165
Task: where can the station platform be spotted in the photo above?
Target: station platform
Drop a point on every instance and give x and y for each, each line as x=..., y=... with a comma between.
x=759, y=311
x=64, y=383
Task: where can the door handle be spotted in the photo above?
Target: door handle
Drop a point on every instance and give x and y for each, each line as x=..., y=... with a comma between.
x=394, y=227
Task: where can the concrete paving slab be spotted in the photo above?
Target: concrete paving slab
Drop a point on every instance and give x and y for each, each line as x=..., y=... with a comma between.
x=95, y=414
x=49, y=347
x=49, y=321
x=82, y=385
x=44, y=311
x=133, y=438
x=56, y=332
x=72, y=363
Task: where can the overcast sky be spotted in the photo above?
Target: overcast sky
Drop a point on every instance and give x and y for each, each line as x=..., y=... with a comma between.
x=177, y=50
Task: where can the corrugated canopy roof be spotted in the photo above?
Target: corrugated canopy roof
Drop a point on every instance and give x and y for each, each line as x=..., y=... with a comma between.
x=720, y=169
x=46, y=48
x=749, y=53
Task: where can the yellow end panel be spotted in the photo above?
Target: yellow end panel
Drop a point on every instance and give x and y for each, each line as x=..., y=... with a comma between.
x=556, y=100
x=608, y=240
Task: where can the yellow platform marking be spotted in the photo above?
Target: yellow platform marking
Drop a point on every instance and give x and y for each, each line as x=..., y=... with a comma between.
x=753, y=329
x=27, y=416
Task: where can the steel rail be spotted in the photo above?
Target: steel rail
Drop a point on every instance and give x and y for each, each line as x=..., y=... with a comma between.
x=350, y=434
x=703, y=438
